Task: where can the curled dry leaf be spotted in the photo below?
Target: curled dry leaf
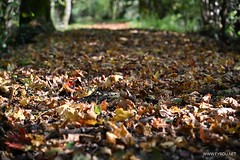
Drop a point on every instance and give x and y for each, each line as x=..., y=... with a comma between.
x=119, y=132
x=110, y=80
x=158, y=123
x=126, y=104
x=231, y=102
x=204, y=105
x=225, y=111
x=111, y=138
x=104, y=105
x=206, y=98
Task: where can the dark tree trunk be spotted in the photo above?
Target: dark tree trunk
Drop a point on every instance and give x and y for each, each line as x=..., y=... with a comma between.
x=34, y=18
x=157, y=8
x=237, y=23
x=34, y=10
x=144, y=8
x=223, y=14
x=8, y=27
x=3, y=8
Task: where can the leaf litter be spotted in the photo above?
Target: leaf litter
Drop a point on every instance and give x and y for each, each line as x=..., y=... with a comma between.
x=122, y=94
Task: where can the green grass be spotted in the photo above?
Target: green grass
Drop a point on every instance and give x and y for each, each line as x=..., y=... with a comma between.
x=169, y=23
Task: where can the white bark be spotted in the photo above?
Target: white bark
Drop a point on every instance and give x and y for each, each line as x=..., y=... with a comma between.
x=67, y=13
x=61, y=15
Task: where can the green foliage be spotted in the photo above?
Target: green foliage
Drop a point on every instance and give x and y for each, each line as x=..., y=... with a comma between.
x=2, y=40
x=172, y=22
x=90, y=10
x=97, y=109
x=232, y=19
x=132, y=12
x=98, y=10
x=8, y=21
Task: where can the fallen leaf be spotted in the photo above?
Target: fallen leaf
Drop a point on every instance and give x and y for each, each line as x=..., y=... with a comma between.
x=119, y=132
x=24, y=102
x=122, y=115
x=15, y=145
x=206, y=98
x=111, y=138
x=81, y=112
x=182, y=143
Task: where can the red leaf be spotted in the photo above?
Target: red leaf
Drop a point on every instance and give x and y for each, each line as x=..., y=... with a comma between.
x=15, y=145
x=22, y=133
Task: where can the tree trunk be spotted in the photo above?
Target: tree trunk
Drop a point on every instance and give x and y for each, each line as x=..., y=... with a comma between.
x=34, y=10
x=61, y=13
x=67, y=12
x=8, y=11
x=34, y=18
x=144, y=8
x=237, y=24
x=223, y=14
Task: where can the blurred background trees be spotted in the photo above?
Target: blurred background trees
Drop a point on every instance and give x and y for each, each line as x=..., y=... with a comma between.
x=9, y=19
x=21, y=20
x=221, y=16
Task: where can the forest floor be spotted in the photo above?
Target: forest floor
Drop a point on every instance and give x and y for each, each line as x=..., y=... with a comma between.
x=120, y=94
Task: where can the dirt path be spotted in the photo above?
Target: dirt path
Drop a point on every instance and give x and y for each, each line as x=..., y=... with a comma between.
x=111, y=26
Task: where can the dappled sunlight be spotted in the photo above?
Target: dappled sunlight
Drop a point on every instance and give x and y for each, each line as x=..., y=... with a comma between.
x=110, y=26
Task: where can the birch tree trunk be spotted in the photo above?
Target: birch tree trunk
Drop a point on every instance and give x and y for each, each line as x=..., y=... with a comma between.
x=60, y=13
x=67, y=13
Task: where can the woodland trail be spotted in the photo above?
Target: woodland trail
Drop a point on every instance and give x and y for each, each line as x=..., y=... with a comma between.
x=120, y=94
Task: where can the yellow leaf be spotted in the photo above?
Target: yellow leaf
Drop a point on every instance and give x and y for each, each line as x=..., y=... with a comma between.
x=122, y=115
x=36, y=140
x=209, y=79
x=175, y=109
x=19, y=115
x=232, y=130
x=71, y=114
x=87, y=121
x=82, y=113
x=68, y=112
x=24, y=102
x=156, y=76
x=126, y=136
